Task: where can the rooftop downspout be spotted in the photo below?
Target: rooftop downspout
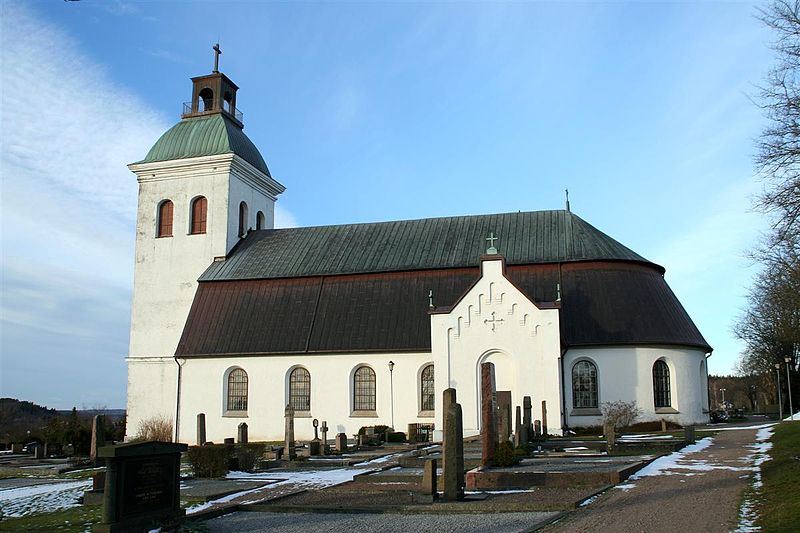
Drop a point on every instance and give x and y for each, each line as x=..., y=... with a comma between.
x=180, y=361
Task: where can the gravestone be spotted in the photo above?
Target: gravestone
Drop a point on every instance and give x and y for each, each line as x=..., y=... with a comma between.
x=488, y=414
x=453, y=454
x=142, y=486
x=201, y=429
x=537, y=429
x=518, y=428
x=503, y=415
x=688, y=432
x=611, y=437
x=38, y=452
x=527, y=420
x=324, y=431
x=98, y=436
x=341, y=442
x=95, y=495
x=429, y=486
x=544, y=419
x=229, y=441
x=315, y=445
x=663, y=425
x=290, y=453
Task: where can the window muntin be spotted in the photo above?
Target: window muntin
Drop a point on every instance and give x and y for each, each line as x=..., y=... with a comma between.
x=199, y=213
x=364, y=389
x=237, y=390
x=300, y=389
x=165, y=210
x=661, y=386
x=584, y=385
x=426, y=389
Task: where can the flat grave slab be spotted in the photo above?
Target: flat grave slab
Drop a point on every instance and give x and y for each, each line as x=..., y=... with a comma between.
x=210, y=489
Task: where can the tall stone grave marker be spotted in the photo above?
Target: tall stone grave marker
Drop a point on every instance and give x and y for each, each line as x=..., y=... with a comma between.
x=315, y=445
x=453, y=449
x=429, y=483
x=201, y=429
x=689, y=434
x=324, y=431
x=518, y=428
x=289, y=452
x=241, y=436
x=527, y=420
x=98, y=436
x=544, y=419
x=488, y=414
x=537, y=429
x=503, y=415
x=611, y=437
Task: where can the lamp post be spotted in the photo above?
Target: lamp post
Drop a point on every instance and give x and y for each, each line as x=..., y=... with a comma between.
x=780, y=399
x=789, y=384
x=391, y=390
x=723, y=398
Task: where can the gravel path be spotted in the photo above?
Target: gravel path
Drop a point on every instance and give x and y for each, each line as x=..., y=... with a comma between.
x=697, y=490
x=368, y=522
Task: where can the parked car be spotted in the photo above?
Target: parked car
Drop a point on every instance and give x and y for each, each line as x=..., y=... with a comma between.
x=718, y=416
x=28, y=448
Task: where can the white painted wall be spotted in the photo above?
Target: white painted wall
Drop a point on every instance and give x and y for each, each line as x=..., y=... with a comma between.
x=525, y=348
x=626, y=373
x=167, y=268
x=203, y=387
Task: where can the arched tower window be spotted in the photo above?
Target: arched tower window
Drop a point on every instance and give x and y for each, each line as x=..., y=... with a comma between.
x=584, y=385
x=237, y=390
x=364, y=389
x=227, y=100
x=165, y=209
x=661, y=389
x=199, y=210
x=242, y=219
x=206, y=102
x=300, y=389
x=260, y=221
x=426, y=390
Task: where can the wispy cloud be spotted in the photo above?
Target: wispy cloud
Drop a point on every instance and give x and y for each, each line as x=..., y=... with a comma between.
x=284, y=218
x=68, y=214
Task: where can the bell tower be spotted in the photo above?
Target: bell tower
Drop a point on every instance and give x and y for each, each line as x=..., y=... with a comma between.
x=203, y=187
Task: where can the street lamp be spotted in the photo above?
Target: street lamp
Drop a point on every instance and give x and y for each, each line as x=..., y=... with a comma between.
x=391, y=390
x=723, y=398
x=780, y=399
x=789, y=384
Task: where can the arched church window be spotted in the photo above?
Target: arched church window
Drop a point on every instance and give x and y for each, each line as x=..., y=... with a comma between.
x=260, y=221
x=237, y=390
x=364, y=389
x=227, y=102
x=206, y=102
x=300, y=389
x=242, y=219
x=584, y=385
x=199, y=211
x=427, y=397
x=165, y=219
x=661, y=389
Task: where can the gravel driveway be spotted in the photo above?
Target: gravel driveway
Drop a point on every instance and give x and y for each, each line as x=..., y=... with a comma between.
x=700, y=491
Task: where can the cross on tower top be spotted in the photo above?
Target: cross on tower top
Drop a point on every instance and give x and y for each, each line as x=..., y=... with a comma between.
x=217, y=53
x=491, y=238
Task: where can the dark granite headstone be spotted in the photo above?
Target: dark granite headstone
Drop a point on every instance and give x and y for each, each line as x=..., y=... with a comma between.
x=488, y=414
x=142, y=486
x=503, y=415
x=98, y=436
x=201, y=429
x=689, y=434
x=241, y=436
x=527, y=420
x=38, y=452
x=537, y=429
x=545, y=433
x=518, y=428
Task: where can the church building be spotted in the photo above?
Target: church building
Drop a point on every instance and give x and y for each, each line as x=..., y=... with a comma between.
x=367, y=324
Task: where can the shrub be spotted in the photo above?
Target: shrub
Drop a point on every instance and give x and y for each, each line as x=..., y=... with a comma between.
x=397, y=436
x=620, y=414
x=247, y=455
x=504, y=454
x=209, y=461
x=157, y=428
x=521, y=451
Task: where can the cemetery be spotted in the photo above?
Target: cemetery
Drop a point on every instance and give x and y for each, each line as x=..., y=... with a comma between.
x=511, y=467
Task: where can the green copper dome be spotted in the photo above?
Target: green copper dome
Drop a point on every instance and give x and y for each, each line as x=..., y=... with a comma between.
x=207, y=135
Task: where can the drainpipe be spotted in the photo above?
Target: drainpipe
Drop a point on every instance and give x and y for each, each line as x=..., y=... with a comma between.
x=563, y=392
x=180, y=361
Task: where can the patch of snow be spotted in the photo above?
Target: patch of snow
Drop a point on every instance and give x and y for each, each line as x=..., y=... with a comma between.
x=509, y=491
x=791, y=417
x=664, y=465
x=635, y=438
x=738, y=428
x=576, y=449
x=23, y=501
x=626, y=487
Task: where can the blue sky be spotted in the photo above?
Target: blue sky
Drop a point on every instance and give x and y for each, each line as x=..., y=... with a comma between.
x=370, y=112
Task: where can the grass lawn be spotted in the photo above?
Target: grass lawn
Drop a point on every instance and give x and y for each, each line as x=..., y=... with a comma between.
x=779, y=503
x=72, y=520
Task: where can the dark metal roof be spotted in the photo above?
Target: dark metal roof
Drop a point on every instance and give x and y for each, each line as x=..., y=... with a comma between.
x=431, y=243
x=207, y=135
x=603, y=303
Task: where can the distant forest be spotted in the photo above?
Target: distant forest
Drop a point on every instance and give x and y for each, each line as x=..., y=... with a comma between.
x=22, y=422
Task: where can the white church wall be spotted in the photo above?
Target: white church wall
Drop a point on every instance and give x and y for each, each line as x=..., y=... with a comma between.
x=495, y=322
x=625, y=373
x=151, y=390
x=255, y=189
x=202, y=391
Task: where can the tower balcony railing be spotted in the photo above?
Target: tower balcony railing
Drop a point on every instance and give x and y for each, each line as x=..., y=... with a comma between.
x=232, y=111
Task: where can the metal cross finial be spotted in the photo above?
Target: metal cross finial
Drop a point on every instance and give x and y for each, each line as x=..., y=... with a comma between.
x=491, y=238
x=217, y=52
x=430, y=299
